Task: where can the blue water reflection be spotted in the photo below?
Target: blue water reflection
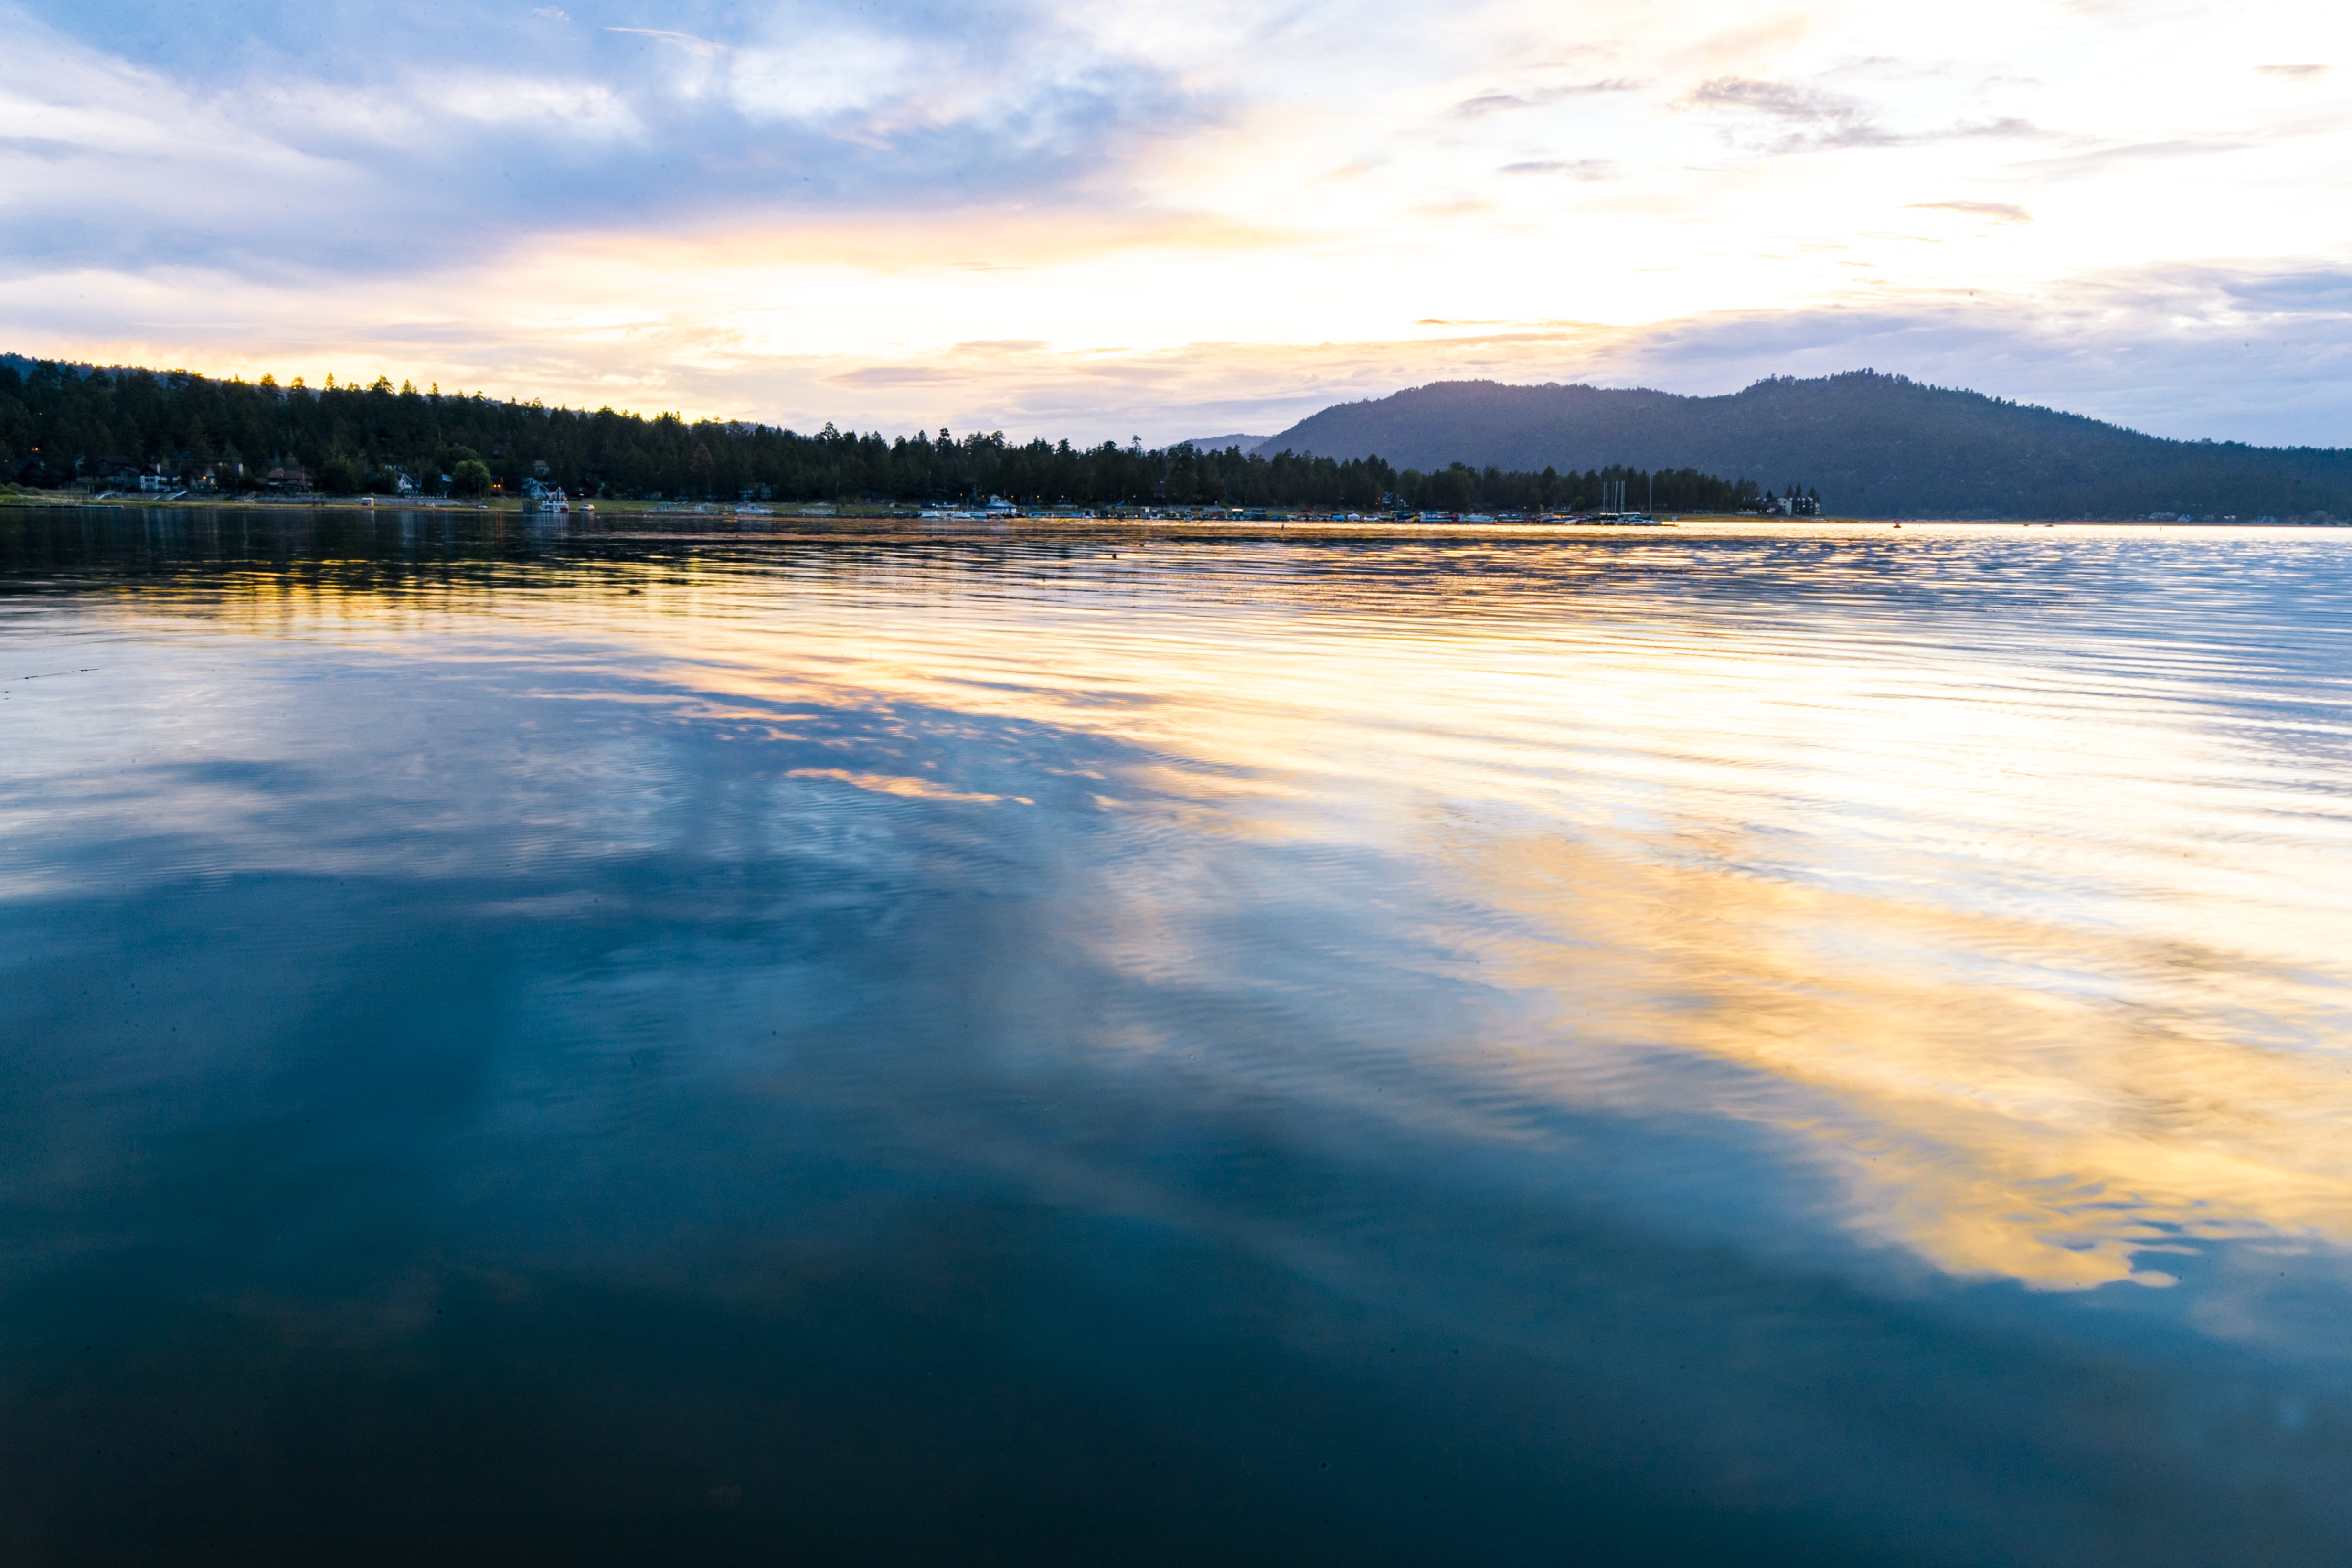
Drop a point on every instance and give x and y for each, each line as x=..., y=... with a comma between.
x=1814, y=1047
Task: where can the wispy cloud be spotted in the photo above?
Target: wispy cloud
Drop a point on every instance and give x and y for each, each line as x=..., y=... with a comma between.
x=1801, y=118
x=1806, y=117
x=687, y=41
x=1999, y=212
x=1487, y=103
x=1571, y=168
x=898, y=375
x=2107, y=160
x=2297, y=70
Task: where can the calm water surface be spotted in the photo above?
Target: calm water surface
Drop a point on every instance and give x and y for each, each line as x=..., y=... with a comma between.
x=1818, y=1045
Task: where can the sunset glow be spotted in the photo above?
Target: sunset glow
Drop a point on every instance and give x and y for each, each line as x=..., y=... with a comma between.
x=1096, y=221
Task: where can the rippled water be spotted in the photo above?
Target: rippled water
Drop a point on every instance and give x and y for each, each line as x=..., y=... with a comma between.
x=1815, y=1043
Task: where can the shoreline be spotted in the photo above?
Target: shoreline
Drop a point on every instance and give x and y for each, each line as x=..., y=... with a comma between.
x=769, y=518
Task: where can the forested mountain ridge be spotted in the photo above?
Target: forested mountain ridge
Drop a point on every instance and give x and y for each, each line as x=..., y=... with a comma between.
x=70, y=425
x=1873, y=445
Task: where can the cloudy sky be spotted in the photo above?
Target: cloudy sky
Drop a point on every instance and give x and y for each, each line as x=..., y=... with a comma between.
x=1076, y=217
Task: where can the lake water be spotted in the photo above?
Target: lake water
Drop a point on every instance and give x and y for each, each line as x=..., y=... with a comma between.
x=1796, y=1044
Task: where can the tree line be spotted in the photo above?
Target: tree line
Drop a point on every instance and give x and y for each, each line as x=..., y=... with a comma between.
x=62, y=425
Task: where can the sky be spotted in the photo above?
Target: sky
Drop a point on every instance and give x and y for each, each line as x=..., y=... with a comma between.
x=1075, y=218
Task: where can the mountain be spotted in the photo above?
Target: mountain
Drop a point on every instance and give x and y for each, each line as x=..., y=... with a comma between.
x=1872, y=444
x=1248, y=444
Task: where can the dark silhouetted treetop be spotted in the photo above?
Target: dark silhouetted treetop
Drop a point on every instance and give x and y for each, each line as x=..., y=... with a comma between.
x=57, y=421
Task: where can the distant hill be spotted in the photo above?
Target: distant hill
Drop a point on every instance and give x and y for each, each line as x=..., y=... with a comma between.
x=1872, y=444
x=1248, y=444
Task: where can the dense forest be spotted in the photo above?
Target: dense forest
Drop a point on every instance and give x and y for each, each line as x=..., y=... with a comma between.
x=62, y=425
x=1878, y=445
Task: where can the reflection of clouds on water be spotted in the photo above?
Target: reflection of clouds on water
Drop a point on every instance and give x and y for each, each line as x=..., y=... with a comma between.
x=2038, y=945
x=2004, y=1096
x=1452, y=1009
x=2025, y=922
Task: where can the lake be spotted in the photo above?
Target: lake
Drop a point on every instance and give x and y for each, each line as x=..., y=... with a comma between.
x=1814, y=1044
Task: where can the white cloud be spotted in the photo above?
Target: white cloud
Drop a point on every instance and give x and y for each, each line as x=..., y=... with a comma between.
x=701, y=47
x=1311, y=186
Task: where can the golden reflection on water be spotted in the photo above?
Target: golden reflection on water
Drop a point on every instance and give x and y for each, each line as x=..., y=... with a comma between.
x=2030, y=930
x=2004, y=1095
